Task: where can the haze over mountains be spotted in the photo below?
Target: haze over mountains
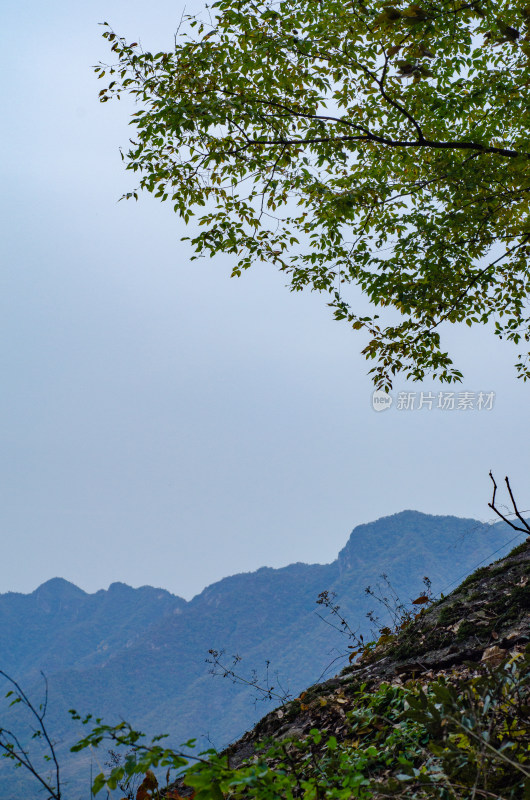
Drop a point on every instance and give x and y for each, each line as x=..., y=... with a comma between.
x=139, y=654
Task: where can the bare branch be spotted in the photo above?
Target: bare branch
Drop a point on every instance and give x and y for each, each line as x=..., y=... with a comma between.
x=9, y=741
x=526, y=528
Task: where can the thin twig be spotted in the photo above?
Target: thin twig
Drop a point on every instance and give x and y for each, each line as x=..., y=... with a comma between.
x=494, y=508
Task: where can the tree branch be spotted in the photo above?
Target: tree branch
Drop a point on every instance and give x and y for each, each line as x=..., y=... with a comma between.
x=494, y=508
x=23, y=757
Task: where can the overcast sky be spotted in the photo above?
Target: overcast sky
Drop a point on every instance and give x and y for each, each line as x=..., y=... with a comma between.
x=160, y=422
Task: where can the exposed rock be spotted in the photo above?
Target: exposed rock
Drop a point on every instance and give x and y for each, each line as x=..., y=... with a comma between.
x=492, y=613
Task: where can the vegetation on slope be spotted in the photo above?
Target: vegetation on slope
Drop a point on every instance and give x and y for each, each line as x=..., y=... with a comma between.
x=140, y=653
x=445, y=739
x=423, y=713
x=437, y=707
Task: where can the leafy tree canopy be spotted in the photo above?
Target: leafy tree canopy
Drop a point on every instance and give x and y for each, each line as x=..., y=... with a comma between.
x=384, y=146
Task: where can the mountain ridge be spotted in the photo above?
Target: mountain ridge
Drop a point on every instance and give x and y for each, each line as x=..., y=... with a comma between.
x=460, y=668
x=141, y=652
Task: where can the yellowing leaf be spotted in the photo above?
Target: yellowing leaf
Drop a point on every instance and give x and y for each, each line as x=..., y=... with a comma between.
x=419, y=600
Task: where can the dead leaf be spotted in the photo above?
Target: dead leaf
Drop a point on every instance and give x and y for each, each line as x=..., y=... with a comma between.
x=493, y=656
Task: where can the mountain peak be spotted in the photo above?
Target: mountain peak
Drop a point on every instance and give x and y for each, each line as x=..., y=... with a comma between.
x=57, y=594
x=415, y=531
x=120, y=587
x=59, y=587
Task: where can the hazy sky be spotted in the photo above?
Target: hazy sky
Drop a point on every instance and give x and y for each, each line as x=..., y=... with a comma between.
x=160, y=422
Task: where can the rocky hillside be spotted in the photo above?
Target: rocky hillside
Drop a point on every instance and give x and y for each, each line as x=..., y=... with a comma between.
x=440, y=708
x=139, y=654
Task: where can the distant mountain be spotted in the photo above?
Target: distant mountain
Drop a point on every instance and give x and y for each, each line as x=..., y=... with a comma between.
x=139, y=654
x=58, y=626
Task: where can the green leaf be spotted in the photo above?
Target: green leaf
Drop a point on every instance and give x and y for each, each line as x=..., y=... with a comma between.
x=413, y=187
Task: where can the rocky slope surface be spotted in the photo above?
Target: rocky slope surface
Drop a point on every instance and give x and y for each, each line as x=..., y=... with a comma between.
x=485, y=620
x=438, y=708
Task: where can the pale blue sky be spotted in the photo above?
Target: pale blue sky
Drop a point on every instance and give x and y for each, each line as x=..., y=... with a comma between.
x=159, y=422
